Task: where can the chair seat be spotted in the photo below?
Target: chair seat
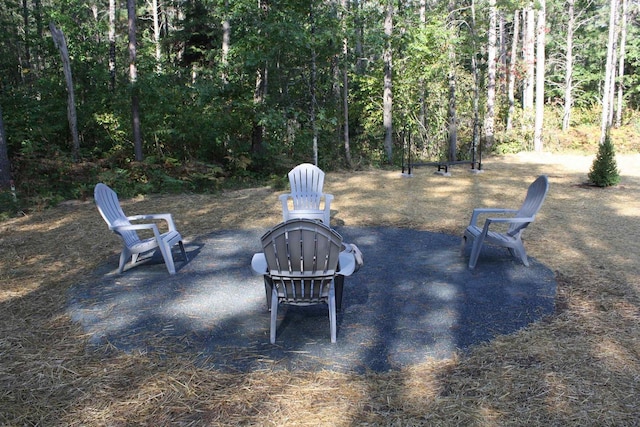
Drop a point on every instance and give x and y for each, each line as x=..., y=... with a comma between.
x=170, y=237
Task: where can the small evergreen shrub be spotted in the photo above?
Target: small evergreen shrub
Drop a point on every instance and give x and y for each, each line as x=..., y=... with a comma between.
x=604, y=170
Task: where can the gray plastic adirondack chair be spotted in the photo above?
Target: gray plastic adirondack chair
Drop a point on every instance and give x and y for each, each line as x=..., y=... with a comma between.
x=300, y=263
x=306, y=182
x=132, y=246
x=517, y=221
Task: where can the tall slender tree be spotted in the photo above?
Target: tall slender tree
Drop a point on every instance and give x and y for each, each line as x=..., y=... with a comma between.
x=133, y=81
x=607, y=108
x=387, y=97
x=72, y=116
x=512, y=69
x=540, y=75
x=621, y=60
x=568, y=71
x=489, y=117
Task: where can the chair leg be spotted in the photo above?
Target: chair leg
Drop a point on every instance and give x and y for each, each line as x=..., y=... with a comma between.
x=332, y=313
x=274, y=315
x=124, y=255
x=521, y=253
x=168, y=257
x=184, y=253
x=463, y=244
x=475, y=251
x=268, y=288
x=339, y=284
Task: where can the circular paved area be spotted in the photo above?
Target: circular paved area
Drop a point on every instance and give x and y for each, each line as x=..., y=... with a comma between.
x=413, y=299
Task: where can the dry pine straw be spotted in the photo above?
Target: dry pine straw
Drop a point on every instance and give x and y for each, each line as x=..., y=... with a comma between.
x=579, y=367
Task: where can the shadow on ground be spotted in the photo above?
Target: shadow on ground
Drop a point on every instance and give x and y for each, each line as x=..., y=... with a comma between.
x=413, y=299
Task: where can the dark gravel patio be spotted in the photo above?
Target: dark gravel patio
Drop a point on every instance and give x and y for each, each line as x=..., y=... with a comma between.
x=413, y=299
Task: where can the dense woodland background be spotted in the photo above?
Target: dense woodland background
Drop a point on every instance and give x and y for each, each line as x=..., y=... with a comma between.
x=199, y=95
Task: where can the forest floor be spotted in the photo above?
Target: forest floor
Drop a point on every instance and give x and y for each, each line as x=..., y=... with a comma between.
x=580, y=366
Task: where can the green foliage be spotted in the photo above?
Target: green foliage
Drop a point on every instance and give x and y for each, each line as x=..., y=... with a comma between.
x=8, y=205
x=604, y=170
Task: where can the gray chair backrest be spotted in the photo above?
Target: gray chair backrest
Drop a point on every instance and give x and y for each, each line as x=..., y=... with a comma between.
x=532, y=203
x=109, y=207
x=302, y=259
x=306, y=181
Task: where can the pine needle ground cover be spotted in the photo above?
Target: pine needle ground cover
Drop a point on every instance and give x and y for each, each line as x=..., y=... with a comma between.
x=580, y=366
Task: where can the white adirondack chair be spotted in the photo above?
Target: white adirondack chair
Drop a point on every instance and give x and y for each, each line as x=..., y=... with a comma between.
x=306, y=181
x=132, y=246
x=516, y=220
x=300, y=264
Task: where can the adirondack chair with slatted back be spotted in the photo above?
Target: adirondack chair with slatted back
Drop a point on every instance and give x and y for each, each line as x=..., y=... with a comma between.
x=132, y=245
x=306, y=196
x=516, y=220
x=300, y=262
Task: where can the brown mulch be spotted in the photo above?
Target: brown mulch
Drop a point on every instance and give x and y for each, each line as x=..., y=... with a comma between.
x=580, y=367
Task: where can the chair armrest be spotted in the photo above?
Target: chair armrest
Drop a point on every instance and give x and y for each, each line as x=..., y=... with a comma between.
x=259, y=264
x=510, y=220
x=135, y=227
x=165, y=217
x=347, y=262
x=483, y=211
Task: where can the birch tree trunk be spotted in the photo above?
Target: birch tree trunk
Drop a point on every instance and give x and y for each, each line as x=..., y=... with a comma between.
x=512, y=69
x=609, y=71
x=5, y=165
x=112, y=44
x=133, y=78
x=476, y=87
x=489, y=119
x=540, y=68
x=226, y=42
x=156, y=34
x=61, y=43
x=387, y=96
x=621, y=58
x=528, y=52
x=568, y=72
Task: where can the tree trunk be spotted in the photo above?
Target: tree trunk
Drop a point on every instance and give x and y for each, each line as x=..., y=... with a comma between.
x=27, y=39
x=312, y=88
x=621, y=58
x=609, y=71
x=452, y=115
x=61, y=43
x=112, y=44
x=489, y=117
x=345, y=84
x=5, y=165
x=387, y=97
x=133, y=77
x=568, y=72
x=540, y=66
x=528, y=47
x=512, y=69
x=226, y=43
x=476, y=87
x=156, y=35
